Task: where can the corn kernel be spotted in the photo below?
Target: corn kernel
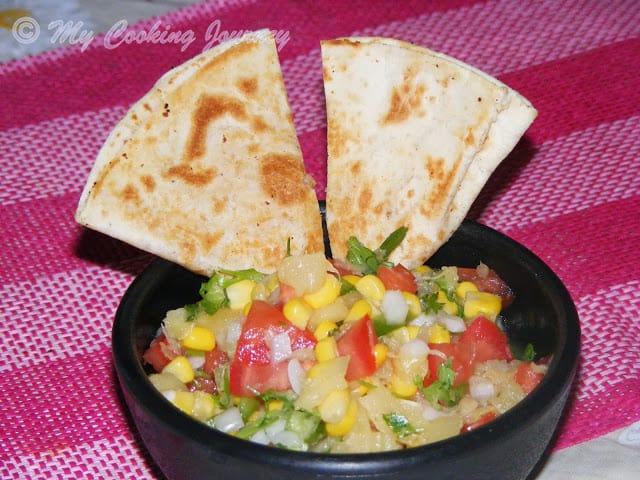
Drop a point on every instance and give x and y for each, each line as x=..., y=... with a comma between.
x=358, y=310
x=482, y=303
x=199, y=338
x=359, y=389
x=352, y=279
x=298, y=312
x=422, y=269
x=184, y=401
x=326, y=349
x=204, y=406
x=464, y=287
x=181, y=368
x=401, y=388
x=345, y=425
x=326, y=295
x=324, y=329
x=448, y=306
x=413, y=301
x=371, y=287
x=240, y=293
x=275, y=405
x=272, y=283
x=439, y=334
x=413, y=331
x=336, y=367
x=335, y=405
x=380, y=352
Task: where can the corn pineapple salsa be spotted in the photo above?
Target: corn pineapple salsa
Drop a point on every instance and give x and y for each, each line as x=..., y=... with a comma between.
x=363, y=357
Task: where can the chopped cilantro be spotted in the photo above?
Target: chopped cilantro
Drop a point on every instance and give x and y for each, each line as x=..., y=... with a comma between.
x=442, y=392
x=367, y=260
x=400, y=424
x=430, y=303
x=213, y=290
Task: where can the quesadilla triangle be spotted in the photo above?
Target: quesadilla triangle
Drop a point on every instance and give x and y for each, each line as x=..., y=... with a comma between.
x=413, y=135
x=206, y=170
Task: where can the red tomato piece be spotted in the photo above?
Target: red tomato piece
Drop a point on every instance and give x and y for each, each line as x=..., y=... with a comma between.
x=287, y=292
x=358, y=342
x=490, y=283
x=213, y=359
x=245, y=380
x=527, y=377
x=397, y=278
x=160, y=352
x=486, y=418
x=252, y=365
x=491, y=342
x=462, y=361
x=264, y=320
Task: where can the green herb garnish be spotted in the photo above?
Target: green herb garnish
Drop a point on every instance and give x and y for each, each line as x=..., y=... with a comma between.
x=400, y=424
x=368, y=261
x=213, y=290
x=442, y=392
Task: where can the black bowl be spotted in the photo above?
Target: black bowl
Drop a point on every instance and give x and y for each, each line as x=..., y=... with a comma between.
x=506, y=448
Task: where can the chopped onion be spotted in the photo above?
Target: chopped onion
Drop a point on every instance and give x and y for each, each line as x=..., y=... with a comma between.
x=429, y=413
x=423, y=320
x=196, y=361
x=280, y=345
x=169, y=395
x=452, y=323
x=233, y=333
x=481, y=389
x=290, y=440
x=414, y=348
x=394, y=307
x=275, y=428
x=229, y=421
x=296, y=375
x=261, y=437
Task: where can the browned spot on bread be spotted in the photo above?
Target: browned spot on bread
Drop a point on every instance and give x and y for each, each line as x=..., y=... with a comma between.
x=130, y=194
x=259, y=125
x=282, y=178
x=406, y=99
x=442, y=179
x=211, y=240
x=326, y=74
x=365, y=198
x=248, y=86
x=208, y=109
x=470, y=139
x=191, y=175
x=148, y=182
x=356, y=168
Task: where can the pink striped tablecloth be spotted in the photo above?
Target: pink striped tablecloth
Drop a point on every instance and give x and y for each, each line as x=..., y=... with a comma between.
x=570, y=191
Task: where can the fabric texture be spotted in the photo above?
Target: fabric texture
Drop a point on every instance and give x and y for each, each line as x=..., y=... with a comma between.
x=570, y=192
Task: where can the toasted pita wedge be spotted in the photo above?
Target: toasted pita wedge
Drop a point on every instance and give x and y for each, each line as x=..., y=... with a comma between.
x=206, y=169
x=413, y=135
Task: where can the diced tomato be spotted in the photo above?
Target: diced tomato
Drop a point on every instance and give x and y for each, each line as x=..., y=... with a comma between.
x=265, y=320
x=287, y=292
x=481, y=341
x=252, y=365
x=343, y=268
x=527, y=377
x=359, y=342
x=397, y=278
x=490, y=283
x=207, y=385
x=245, y=380
x=214, y=358
x=491, y=342
x=159, y=353
x=462, y=362
x=486, y=418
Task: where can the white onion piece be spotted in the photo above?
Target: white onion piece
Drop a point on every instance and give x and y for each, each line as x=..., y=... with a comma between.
x=296, y=375
x=169, y=395
x=429, y=413
x=196, y=361
x=480, y=389
x=453, y=324
x=261, y=437
x=229, y=421
x=394, y=307
x=423, y=320
x=280, y=345
x=290, y=440
x=414, y=348
x=233, y=333
x=275, y=428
